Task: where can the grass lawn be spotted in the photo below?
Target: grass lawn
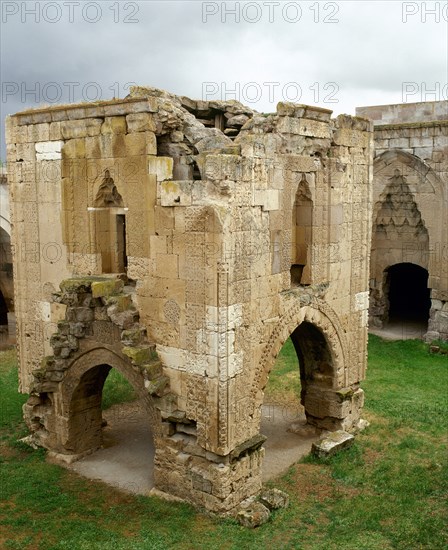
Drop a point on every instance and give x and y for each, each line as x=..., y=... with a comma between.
x=388, y=491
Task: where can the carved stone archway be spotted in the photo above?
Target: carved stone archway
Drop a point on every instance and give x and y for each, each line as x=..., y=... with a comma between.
x=64, y=409
x=330, y=403
x=79, y=399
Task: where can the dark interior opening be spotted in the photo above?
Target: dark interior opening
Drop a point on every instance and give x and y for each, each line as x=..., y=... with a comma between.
x=121, y=243
x=3, y=311
x=409, y=295
x=314, y=357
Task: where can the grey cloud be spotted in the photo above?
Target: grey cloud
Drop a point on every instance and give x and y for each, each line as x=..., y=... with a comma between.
x=368, y=54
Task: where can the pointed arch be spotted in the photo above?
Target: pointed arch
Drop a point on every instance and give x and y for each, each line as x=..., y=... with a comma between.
x=301, y=234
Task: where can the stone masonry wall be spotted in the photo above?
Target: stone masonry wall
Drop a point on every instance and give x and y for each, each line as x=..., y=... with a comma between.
x=413, y=156
x=202, y=208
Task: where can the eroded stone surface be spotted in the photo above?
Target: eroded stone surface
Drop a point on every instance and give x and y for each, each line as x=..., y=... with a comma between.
x=192, y=239
x=274, y=499
x=332, y=443
x=253, y=515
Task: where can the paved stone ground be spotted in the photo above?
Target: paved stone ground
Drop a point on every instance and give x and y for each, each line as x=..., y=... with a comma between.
x=127, y=457
x=8, y=333
x=128, y=454
x=283, y=447
x=401, y=330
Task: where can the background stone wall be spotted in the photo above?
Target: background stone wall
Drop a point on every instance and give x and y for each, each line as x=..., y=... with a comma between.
x=410, y=212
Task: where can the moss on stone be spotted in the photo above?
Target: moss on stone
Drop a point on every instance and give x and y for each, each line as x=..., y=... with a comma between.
x=106, y=287
x=154, y=369
x=344, y=394
x=122, y=302
x=157, y=386
x=131, y=336
x=138, y=355
x=78, y=284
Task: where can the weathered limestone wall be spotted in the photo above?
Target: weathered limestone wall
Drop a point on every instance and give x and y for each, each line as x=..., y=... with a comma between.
x=410, y=197
x=400, y=113
x=240, y=231
x=6, y=280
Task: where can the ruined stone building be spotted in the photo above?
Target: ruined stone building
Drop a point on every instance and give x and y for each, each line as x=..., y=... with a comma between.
x=182, y=242
x=409, y=258
x=6, y=279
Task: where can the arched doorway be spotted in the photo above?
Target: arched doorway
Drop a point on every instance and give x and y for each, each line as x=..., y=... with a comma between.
x=106, y=413
x=300, y=397
x=284, y=421
x=70, y=422
x=330, y=396
x=408, y=295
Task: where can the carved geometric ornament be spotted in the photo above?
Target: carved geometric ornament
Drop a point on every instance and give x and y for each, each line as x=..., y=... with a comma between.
x=108, y=195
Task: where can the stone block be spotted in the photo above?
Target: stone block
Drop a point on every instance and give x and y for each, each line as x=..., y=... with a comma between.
x=274, y=499
x=151, y=143
x=314, y=128
x=351, y=138
x=157, y=386
x=71, y=129
x=49, y=150
x=122, y=302
x=139, y=355
x=253, y=515
x=332, y=443
x=285, y=108
x=75, y=148
x=176, y=193
x=106, y=288
x=39, y=132
x=269, y=199
x=162, y=167
x=114, y=125
x=140, y=122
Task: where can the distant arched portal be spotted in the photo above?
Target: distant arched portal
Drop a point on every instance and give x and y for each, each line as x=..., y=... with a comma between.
x=408, y=293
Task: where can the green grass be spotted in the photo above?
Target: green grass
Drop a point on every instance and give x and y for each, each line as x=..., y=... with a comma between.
x=284, y=380
x=116, y=390
x=386, y=492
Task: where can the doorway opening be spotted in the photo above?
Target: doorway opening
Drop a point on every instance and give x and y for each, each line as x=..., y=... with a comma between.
x=122, y=259
x=302, y=372
x=3, y=312
x=106, y=413
x=408, y=293
x=110, y=226
x=408, y=297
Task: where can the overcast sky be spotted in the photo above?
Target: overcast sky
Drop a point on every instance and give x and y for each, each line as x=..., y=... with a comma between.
x=337, y=55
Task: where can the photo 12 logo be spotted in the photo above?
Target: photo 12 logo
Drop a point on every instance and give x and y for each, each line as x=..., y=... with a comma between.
x=69, y=12
x=412, y=92
x=270, y=92
x=271, y=12
x=435, y=12
x=62, y=92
